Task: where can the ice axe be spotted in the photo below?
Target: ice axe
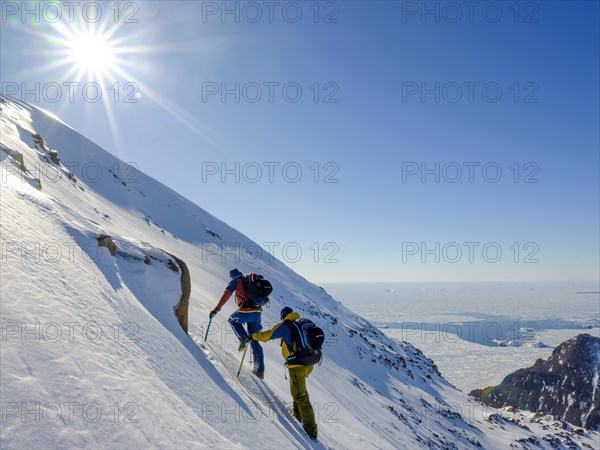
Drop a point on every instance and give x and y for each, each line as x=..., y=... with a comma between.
x=243, y=356
x=207, y=328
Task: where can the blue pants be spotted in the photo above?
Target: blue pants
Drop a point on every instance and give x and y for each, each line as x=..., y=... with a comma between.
x=252, y=319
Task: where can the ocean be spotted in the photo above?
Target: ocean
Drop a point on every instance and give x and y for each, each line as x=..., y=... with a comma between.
x=479, y=332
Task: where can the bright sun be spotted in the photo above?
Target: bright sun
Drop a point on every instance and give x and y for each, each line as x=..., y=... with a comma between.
x=105, y=55
x=92, y=52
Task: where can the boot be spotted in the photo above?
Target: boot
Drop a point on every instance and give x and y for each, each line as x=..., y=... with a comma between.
x=243, y=343
x=259, y=374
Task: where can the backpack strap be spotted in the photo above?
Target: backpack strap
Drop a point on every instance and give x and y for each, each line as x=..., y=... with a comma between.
x=296, y=335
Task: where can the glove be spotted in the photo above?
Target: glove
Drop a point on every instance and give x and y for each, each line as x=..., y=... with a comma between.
x=213, y=313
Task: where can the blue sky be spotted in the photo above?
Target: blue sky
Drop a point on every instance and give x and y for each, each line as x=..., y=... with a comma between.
x=532, y=73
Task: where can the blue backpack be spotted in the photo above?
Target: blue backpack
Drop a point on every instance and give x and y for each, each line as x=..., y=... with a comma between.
x=257, y=289
x=308, y=340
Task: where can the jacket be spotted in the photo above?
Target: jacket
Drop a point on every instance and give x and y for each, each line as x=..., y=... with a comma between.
x=236, y=285
x=283, y=332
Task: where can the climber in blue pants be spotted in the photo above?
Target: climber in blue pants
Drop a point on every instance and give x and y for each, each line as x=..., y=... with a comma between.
x=244, y=315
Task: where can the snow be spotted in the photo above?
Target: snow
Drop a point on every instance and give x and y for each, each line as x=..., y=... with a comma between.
x=455, y=324
x=92, y=354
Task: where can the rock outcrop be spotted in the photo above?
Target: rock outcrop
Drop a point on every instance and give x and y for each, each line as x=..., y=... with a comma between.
x=105, y=240
x=181, y=310
x=566, y=385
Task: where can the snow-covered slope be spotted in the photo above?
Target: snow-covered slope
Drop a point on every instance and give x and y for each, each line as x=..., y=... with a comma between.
x=93, y=355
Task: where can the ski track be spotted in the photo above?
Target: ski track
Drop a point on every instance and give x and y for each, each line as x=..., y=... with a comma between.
x=263, y=397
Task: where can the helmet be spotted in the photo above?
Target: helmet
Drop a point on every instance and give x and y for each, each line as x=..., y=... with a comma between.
x=285, y=311
x=234, y=273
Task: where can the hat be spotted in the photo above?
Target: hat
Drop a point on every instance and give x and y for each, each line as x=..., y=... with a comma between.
x=234, y=273
x=285, y=311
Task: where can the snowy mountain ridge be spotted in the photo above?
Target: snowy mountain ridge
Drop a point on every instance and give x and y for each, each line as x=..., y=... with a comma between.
x=566, y=385
x=93, y=353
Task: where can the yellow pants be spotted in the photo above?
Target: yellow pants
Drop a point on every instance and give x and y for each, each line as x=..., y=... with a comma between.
x=302, y=406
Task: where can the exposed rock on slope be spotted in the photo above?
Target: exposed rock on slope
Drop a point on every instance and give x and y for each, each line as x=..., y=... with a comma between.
x=181, y=310
x=566, y=385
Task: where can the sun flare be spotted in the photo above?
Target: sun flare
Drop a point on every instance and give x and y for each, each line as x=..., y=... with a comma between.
x=100, y=61
x=92, y=52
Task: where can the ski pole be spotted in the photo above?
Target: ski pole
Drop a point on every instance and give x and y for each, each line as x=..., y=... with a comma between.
x=243, y=356
x=207, y=328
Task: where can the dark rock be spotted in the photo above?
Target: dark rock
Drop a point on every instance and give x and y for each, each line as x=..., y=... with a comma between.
x=17, y=156
x=54, y=157
x=212, y=233
x=39, y=140
x=566, y=385
x=105, y=240
x=181, y=310
x=171, y=265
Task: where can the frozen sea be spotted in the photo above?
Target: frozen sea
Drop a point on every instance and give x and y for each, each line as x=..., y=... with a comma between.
x=477, y=333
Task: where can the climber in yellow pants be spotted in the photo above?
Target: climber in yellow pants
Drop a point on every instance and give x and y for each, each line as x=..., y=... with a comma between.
x=302, y=409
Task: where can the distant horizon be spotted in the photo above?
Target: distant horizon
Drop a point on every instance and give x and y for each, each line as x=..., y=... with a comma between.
x=459, y=281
